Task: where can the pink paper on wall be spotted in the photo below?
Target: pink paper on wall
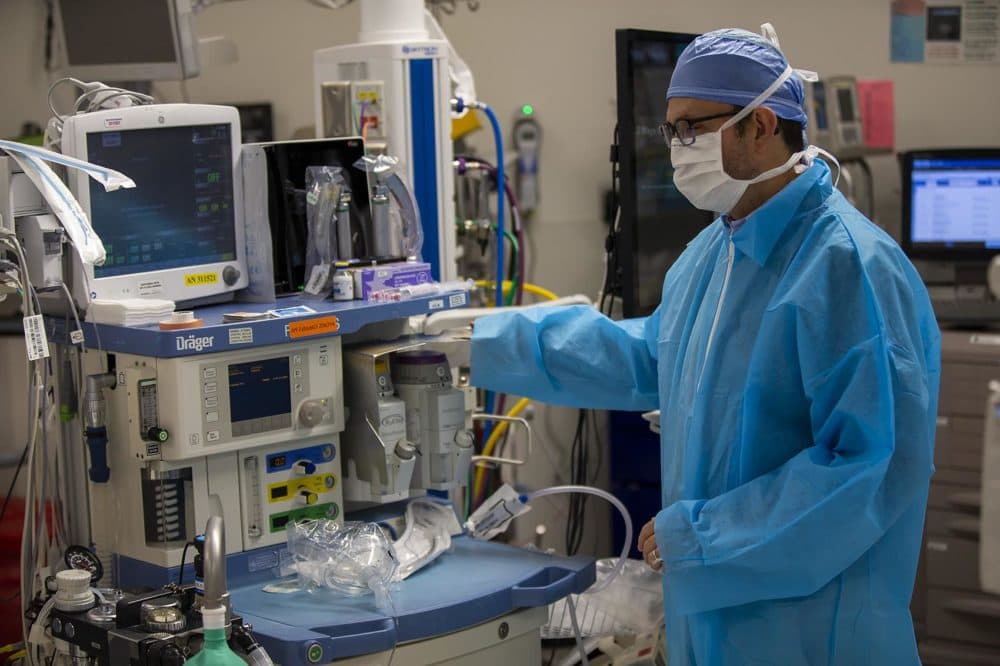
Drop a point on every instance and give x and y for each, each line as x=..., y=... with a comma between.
x=878, y=113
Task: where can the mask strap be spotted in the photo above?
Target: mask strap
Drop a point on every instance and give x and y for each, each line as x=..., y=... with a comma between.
x=813, y=151
x=760, y=99
x=780, y=169
x=807, y=155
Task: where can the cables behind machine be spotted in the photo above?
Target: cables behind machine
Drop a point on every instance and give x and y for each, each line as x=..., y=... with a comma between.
x=35, y=498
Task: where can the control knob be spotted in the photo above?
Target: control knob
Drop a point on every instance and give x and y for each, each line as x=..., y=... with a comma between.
x=312, y=413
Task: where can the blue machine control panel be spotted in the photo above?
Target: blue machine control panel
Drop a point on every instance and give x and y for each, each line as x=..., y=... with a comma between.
x=315, y=455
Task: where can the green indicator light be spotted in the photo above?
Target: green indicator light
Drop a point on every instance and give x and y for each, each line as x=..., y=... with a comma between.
x=527, y=109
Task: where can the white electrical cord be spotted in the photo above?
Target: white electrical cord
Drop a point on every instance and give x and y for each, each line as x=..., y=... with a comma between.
x=33, y=641
x=95, y=94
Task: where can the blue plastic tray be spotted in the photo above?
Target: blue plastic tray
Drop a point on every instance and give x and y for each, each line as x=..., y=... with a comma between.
x=475, y=582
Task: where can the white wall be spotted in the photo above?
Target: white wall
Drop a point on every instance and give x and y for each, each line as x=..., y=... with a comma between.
x=557, y=55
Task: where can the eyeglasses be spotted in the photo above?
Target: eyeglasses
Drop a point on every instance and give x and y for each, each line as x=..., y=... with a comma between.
x=684, y=129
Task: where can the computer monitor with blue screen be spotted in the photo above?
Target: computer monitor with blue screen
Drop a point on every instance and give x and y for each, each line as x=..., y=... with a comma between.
x=178, y=234
x=951, y=204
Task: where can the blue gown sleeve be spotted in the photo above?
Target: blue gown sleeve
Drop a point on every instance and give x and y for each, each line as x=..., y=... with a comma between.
x=571, y=356
x=872, y=411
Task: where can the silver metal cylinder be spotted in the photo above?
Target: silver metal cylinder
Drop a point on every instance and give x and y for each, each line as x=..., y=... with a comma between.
x=215, y=563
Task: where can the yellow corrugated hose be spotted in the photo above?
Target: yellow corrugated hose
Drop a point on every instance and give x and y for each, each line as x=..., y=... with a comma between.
x=541, y=292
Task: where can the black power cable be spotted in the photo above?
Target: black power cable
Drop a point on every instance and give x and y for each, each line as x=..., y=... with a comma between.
x=579, y=463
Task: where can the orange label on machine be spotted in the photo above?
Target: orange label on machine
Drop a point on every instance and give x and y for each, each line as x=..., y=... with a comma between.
x=318, y=326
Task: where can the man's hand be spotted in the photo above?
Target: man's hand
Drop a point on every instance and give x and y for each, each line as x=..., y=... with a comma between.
x=647, y=544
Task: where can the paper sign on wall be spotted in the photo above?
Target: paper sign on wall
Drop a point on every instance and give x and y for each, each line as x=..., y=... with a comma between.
x=945, y=31
x=878, y=113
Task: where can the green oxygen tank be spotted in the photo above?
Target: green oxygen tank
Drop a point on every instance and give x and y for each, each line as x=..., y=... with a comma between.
x=216, y=651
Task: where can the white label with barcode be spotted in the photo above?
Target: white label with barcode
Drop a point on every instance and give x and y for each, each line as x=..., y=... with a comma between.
x=35, y=338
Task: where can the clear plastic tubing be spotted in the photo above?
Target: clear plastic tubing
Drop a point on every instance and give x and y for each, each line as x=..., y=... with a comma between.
x=587, y=490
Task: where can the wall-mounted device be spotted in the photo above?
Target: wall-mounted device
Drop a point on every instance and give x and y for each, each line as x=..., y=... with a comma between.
x=817, y=114
x=951, y=227
x=108, y=40
x=527, y=136
x=843, y=112
x=355, y=108
x=179, y=233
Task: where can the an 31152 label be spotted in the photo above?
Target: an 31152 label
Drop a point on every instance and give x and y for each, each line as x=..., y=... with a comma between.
x=200, y=279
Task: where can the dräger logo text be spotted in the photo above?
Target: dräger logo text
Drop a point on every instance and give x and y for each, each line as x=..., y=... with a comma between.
x=195, y=343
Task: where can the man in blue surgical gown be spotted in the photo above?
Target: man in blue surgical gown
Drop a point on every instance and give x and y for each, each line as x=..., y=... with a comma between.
x=795, y=360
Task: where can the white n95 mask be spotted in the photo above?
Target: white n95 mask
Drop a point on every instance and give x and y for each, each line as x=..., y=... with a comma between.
x=699, y=173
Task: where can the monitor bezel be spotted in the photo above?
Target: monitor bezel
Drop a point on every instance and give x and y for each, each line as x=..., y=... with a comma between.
x=185, y=64
x=172, y=280
x=919, y=250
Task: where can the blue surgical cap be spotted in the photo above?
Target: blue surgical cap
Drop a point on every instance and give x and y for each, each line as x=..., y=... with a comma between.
x=733, y=67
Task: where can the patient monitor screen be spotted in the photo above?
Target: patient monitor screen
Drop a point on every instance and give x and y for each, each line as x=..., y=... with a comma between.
x=180, y=213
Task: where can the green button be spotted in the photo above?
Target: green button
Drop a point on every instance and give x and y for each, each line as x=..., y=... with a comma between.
x=315, y=653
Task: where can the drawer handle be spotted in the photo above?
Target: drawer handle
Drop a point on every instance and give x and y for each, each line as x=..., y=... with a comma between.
x=964, y=526
x=968, y=500
x=981, y=607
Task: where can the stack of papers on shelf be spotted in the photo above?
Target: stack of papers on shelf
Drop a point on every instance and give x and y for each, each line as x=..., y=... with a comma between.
x=129, y=311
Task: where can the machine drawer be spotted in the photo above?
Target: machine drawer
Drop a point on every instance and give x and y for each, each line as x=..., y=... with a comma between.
x=963, y=616
x=950, y=497
x=953, y=524
x=964, y=387
x=953, y=563
x=959, y=443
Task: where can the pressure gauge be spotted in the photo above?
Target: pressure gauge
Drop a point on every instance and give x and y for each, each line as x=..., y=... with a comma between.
x=78, y=557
